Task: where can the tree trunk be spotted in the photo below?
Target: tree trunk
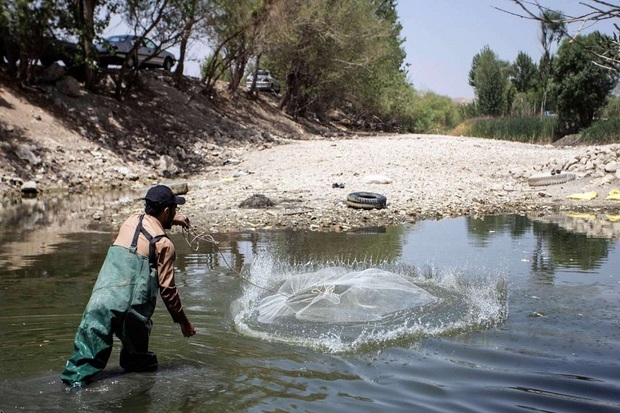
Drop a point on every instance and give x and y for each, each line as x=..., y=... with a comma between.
x=187, y=32
x=88, y=35
x=84, y=14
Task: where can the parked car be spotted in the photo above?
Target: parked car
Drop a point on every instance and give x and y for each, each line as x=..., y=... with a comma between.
x=264, y=81
x=115, y=49
x=59, y=50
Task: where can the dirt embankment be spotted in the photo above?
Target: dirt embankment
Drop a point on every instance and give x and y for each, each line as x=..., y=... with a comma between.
x=239, y=148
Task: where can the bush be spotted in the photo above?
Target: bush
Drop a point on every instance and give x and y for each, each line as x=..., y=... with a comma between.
x=523, y=129
x=612, y=108
x=602, y=131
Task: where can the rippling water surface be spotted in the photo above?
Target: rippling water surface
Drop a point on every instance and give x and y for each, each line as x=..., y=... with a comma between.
x=528, y=321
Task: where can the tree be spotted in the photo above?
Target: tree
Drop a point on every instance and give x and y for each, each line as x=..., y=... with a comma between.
x=26, y=28
x=582, y=87
x=327, y=51
x=489, y=77
x=552, y=30
x=234, y=31
x=525, y=72
x=593, y=11
x=193, y=16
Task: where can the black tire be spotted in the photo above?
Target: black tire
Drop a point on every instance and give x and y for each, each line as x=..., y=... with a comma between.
x=168, y=63
x=366, y=200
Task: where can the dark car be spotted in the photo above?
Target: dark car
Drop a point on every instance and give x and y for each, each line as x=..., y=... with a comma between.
x=59, y=50
x=115, y=49
x=264, y=81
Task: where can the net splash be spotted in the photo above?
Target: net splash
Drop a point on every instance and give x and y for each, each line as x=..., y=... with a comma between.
x=338, y=307
x=336, y=295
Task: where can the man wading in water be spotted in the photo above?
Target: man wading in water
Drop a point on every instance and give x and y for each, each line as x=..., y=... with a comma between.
x=140, y=262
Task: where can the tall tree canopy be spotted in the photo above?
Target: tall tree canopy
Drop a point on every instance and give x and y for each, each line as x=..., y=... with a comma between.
x=490, y=78
x=525, y=72
x=582, y=87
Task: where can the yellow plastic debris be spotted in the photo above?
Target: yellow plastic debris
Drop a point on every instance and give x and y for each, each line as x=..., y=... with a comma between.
x=614, y=195
x=584, y=196
x=581, y=216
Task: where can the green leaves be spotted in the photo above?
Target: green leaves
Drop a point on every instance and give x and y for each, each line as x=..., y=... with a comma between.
x=581, y=86
x=490, y=78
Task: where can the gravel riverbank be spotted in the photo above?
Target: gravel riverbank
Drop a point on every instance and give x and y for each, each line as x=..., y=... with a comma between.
x=422, y=176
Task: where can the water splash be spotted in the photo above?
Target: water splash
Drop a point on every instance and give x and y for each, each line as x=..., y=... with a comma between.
x=418, y=303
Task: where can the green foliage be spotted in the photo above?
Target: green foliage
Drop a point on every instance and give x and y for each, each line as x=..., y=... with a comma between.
x=490, y=78
x=525, y=104
x=525, y=73
x=208, y=64
x=602, y=131
x=335, y=54
x=527, y=129
x=581, y=86
x=438, y=112
x=28, y=26
x=612, y=108
x=469, y=110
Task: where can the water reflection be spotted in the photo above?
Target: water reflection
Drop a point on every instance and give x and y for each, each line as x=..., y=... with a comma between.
x=38, y=226
x=581, y=241
x=373, y=245
x=483, y=229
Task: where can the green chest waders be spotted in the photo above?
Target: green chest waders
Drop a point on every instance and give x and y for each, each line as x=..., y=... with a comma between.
x=122, y=303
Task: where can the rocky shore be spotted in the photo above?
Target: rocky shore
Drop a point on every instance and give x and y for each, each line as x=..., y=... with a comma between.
x=422, y=176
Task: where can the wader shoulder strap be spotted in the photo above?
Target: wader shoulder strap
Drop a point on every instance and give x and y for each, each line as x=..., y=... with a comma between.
x=152, y=241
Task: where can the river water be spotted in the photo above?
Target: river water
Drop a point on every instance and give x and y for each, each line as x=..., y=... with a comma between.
x=527, y=320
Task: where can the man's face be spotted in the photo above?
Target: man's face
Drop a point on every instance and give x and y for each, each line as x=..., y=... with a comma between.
x=171, y=211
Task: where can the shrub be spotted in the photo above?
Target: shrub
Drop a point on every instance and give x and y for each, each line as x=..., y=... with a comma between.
x=602, y=131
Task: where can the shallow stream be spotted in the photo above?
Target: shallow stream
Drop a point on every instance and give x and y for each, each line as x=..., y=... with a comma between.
x=527, y=320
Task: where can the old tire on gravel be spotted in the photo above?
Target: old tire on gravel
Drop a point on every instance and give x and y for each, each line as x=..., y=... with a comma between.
x=366, y=200
x=550, y=179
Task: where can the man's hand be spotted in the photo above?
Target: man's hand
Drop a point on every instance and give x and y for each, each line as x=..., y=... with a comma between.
x=181, y=220
x=188, y=329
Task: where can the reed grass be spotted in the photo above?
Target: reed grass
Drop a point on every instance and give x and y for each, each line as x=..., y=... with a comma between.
x=602, y=131
x=519, y=129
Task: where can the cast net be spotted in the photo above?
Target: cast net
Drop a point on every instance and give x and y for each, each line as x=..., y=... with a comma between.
x=338, y=295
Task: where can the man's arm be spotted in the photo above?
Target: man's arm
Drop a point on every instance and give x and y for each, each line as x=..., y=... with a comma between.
x=168, y=290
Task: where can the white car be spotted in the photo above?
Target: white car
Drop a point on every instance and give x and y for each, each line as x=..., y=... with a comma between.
x=264, y=81
x=114, y=50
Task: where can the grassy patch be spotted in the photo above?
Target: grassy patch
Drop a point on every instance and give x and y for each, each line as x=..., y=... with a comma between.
x=602, y=131
x=522, y=129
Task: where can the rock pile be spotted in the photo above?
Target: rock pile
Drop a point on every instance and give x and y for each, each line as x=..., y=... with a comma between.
x=599, y=162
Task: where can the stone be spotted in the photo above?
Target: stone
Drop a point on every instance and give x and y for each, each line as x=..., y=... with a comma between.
x=377, y=179
x=52, y=73
x=68, y=86
x=611, y=167
x=24, y=152
x=257, y=201
x=167, y=165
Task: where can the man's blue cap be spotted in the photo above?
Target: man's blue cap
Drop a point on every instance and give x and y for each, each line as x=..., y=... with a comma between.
x=163, y=196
